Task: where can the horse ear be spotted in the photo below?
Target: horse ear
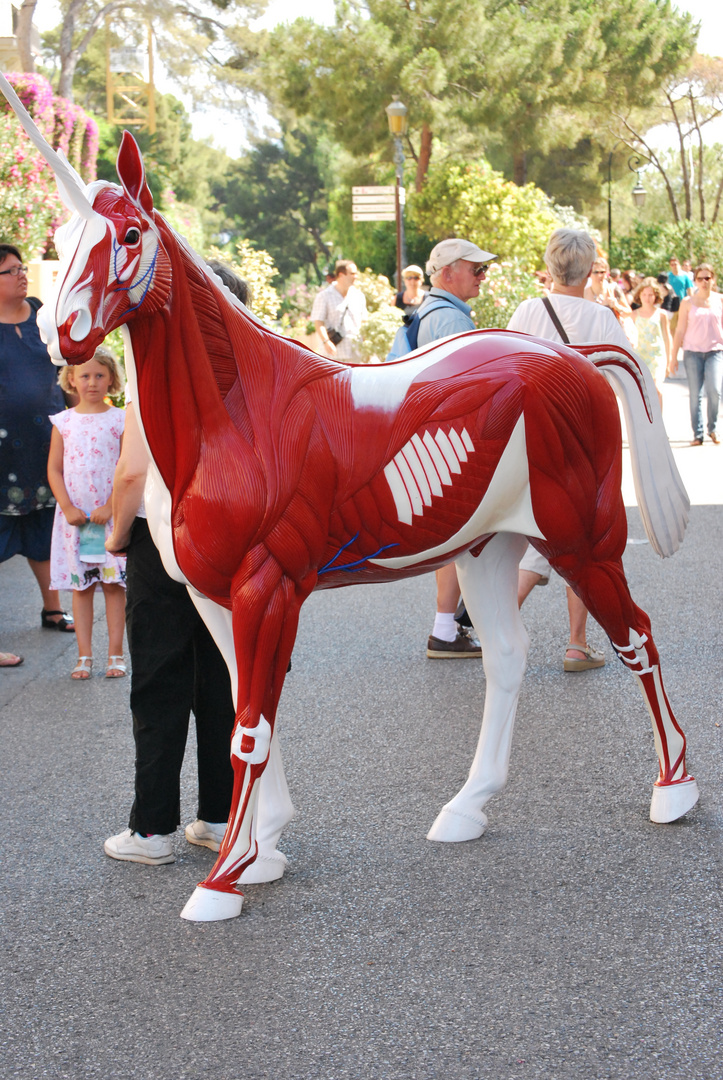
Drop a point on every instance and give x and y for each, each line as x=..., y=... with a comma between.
x=132, y=173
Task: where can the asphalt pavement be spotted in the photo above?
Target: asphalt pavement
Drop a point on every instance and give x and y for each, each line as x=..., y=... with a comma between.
x=574, y=941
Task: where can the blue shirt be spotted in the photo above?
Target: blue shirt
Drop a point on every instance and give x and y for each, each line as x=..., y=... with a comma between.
x=681, y=284
x=444, y=321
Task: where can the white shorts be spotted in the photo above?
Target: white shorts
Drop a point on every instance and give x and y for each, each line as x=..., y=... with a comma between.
x=536, y=564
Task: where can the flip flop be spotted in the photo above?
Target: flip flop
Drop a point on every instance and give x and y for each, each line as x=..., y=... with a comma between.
x=8, y=659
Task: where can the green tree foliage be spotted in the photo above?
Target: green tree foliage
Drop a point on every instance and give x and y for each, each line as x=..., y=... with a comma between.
x=372, y=243
x=257, y=269
x=473, y=201
x=179, y=169
x=277, y=196
x=525, y=77
x=687, y=104
x=192, y=37
x=647, y=248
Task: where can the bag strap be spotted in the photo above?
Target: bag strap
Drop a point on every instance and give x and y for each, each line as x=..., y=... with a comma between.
x=555, y=321
x=412, y=330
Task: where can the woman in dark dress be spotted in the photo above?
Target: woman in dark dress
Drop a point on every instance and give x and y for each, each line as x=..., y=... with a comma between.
x=29, y=393
x=413, y=293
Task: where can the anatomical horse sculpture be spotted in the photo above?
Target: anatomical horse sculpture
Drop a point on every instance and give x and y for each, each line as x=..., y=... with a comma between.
x=276, y=472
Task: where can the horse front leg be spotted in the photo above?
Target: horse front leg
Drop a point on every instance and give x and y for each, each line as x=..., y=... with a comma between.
x=274, y=809
x=265, y=610
x=489, y=588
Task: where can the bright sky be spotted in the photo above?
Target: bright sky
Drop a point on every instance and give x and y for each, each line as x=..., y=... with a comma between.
x=228, y=133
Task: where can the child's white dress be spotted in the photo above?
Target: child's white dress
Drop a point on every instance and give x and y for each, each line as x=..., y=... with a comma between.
x=91, y=447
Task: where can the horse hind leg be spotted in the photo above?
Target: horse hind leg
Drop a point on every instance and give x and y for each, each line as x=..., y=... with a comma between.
x=675, y=791
x=604, y=591
x=489, y=587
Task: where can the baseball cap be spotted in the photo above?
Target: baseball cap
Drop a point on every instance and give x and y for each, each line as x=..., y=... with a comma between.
x=448, y=251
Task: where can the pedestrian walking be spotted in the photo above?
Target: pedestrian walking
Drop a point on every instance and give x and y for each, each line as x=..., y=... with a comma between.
x=700, y=333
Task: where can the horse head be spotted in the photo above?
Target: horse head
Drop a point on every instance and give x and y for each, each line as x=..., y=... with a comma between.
x=114, y=264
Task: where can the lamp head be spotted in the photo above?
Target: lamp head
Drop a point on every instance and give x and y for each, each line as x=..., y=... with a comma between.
x=397, y=117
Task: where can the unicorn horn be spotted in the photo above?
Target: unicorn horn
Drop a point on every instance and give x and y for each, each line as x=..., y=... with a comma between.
x=70, y=185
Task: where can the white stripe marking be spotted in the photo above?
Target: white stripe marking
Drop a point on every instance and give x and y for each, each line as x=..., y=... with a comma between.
x=457, y=444
x=410, y=483
x=399, y=492
x=506, y=506
x=437, y=458
x=419, y=474
x=467, y=441
x=447, y=449
x=428, y=464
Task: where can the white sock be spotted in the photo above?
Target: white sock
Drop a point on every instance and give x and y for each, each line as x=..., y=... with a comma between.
x=445, y=628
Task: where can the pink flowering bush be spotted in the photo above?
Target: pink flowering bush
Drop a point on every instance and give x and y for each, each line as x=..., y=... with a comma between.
x=296, y=302
x=508, y=284
x=30, y=208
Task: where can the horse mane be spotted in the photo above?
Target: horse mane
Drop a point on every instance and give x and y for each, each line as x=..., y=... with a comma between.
x=238, y=346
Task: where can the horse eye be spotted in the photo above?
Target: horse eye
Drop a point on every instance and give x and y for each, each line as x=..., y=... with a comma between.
x=132, y=236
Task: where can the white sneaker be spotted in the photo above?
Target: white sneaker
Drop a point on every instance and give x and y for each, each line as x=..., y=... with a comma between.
x=132, y=847
x=206, y=833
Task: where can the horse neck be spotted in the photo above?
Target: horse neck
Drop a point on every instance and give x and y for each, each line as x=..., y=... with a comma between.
x=209, y=374
x=185, y=365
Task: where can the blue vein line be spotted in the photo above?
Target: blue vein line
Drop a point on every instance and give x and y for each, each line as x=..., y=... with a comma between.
x=134, y=284
x=326, y=566
x=351, y=567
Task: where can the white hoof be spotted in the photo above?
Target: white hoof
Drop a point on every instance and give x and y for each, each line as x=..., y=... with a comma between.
x=671, y=801
x=269, y=867
x=210, y=905
x=452, y=826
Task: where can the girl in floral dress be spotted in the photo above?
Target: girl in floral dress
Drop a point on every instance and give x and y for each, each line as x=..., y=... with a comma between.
x=84, y=449
x=654, y=338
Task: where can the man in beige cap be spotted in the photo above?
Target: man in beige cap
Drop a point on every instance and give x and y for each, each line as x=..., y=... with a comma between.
x=456, y=269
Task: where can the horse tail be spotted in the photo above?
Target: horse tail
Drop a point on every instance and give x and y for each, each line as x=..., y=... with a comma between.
x=662, y=499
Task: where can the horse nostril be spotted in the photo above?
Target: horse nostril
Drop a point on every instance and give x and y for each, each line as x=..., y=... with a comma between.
x=81, y=324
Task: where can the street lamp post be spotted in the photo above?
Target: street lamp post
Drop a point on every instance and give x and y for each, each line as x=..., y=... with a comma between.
x=397, y=117
x=634, y=164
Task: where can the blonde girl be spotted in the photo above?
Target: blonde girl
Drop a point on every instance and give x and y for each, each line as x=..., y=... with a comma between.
x=84, y=449
x=654, y=340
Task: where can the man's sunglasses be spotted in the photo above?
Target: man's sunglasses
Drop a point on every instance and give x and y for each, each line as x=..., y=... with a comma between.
x=478, y=271
x=15, y=270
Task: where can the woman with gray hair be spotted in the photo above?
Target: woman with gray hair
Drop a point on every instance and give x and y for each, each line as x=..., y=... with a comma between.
x=569, y=318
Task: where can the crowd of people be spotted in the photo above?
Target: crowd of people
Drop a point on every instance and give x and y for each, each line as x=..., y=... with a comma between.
x=73, y=468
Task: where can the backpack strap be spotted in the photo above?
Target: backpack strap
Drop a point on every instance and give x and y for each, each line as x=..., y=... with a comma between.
x=555, y=321
x=412, y=330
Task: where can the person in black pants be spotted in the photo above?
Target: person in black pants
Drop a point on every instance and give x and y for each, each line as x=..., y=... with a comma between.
x=176, y=668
